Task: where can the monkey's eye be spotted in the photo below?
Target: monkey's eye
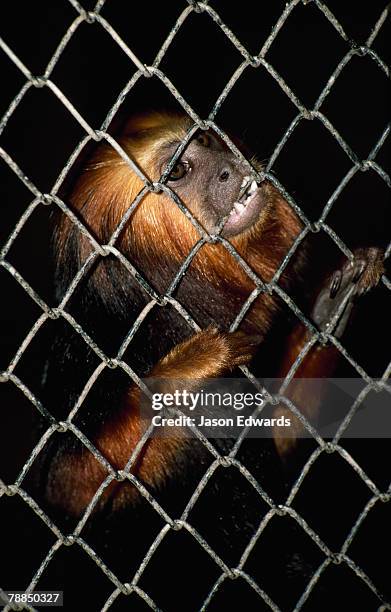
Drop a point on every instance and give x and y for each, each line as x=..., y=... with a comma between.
x=203, y=139
x=179, y=171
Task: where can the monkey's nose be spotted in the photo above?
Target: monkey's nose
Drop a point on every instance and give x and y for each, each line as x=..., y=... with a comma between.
x=224, y=176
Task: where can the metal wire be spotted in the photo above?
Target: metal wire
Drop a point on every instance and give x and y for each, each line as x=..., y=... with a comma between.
x=250, y=62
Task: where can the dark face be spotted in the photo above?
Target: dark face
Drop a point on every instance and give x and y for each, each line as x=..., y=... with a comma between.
x=215, y=186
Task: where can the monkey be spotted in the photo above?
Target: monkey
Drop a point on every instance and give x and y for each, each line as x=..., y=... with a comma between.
x=150, y=249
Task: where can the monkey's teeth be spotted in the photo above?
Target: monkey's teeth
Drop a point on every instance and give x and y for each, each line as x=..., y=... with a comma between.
x=239, y=207
x=244, y=182
x=254, y=187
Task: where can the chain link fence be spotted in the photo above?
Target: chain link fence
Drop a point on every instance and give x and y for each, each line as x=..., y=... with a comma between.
x=9, y=376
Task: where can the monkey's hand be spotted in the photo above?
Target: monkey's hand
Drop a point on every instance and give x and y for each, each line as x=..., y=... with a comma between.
x=331, y=313
x=334, y=304
x=76, y=475
x=207, y=354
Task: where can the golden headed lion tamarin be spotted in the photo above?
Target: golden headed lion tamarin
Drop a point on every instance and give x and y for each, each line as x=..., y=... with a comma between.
x=116, y=303
x=156, y=240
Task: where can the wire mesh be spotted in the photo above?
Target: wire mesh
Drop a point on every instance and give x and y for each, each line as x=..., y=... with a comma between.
x=52, y=199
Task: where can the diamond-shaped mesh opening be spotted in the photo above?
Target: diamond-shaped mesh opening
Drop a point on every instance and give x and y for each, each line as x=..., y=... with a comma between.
x=46, y=24
x=205, y=65
x=228, y=533
x=362, y=189
x=157, y=318
x=349, y=112
x=29, y=139
x=315, y=502
x=62, y=563
x=301, y=43
x=305, y=168
x=290, y=557
x=248, y=25
x=306, y=85
x=174, y=549
x=146, y=46
x=264, y=98
x=84, y=67
x=129, y=542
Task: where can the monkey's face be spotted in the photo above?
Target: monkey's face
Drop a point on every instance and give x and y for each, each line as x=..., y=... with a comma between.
x=214, y=185
x=209, y=180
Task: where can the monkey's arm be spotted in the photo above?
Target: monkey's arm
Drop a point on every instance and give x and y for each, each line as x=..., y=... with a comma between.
x=332, y=312
x=75, y=475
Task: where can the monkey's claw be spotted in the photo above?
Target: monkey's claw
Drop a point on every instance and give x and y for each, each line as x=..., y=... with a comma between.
x=335, y=301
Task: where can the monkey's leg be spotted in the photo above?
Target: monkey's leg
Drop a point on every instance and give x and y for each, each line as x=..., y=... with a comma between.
x=332, y=312
x=75, y=475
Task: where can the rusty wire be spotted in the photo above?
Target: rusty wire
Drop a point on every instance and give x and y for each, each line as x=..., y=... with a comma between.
x=249, y=62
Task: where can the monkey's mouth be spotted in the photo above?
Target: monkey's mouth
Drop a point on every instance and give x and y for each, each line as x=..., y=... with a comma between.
x=246, y=208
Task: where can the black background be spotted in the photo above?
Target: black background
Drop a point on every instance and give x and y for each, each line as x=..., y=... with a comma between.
x=41, y=134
